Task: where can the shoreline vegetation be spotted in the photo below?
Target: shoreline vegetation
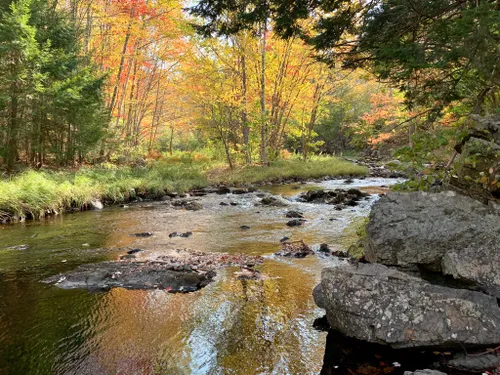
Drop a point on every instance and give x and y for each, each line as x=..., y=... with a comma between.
x=34, y=195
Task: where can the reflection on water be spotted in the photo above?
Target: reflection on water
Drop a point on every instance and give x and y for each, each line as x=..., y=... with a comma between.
x=230, y=327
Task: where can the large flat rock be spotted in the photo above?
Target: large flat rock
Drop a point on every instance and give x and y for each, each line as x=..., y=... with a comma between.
x=374, y=303
x=133, y=275
x=443, y=232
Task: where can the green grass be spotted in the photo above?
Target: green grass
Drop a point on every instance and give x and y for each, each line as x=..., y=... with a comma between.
x=286, y=169
x=36, y=194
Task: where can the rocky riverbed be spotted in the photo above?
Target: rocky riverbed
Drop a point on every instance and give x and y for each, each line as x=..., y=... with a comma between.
x=184, y=285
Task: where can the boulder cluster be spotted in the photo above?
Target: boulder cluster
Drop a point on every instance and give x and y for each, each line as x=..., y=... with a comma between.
x=432, y=279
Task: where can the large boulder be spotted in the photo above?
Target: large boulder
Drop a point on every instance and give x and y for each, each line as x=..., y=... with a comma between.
x=374, y=303
x=443, y=232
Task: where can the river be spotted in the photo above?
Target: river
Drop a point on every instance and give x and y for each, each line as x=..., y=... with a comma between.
x=229, y=327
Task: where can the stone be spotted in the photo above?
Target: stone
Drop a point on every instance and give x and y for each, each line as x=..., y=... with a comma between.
x=223, y=190
x=132, y=275
x=382, y=305
x=442, y=232
x=245, y=227
x=474, y=362
x=18, y=247
x=424, y=372
x=337, y=197
x=296, y=223
x=135, y=251
x=324, y=248
x=188, y=205
x=294, y=215
x=298, y=249
x=96, y=205
x=143, y=234
x=273, y=201
x=182, y=235
x=239, y=191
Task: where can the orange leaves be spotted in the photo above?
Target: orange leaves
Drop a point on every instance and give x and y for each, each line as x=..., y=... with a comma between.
x=385, y=107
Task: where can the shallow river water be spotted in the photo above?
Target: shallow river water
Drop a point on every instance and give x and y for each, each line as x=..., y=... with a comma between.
x=230, y=327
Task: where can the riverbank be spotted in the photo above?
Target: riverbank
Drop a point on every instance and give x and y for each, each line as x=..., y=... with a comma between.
x=37, y=194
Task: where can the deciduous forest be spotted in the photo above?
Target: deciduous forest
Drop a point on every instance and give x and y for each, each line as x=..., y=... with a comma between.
x=110, y=83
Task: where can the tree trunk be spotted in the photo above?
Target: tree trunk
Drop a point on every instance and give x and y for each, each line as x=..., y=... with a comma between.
x=11, y=154
x=263, y=130
x=244, y=115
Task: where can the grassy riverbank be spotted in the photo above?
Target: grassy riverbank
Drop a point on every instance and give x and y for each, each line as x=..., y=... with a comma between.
x=36, y=194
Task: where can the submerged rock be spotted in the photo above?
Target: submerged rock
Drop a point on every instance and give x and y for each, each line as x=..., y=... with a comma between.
x=132, y=275
x=183, y=235
x=188, y=205
x=273, y=201
x=18, y=247
x=297, y=249
x=443, y=232
x=294, y=215
x=176, y=271
x=143, y=234
x=239, y=191
x=374, y=303
x=296, y=223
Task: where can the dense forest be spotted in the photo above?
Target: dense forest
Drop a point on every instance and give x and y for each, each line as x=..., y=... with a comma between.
x=126, y=82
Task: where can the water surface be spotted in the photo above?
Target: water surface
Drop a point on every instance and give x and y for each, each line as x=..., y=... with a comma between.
x=230, y=327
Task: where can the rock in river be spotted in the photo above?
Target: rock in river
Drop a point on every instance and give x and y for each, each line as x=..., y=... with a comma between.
x=374, y=303
x=133, y=275
x=338, y=197
x=189, y=205
x=443, y=232
x=297, y=249
x=296, y=223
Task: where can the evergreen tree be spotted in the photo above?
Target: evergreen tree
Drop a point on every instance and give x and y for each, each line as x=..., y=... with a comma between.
x=50, y=95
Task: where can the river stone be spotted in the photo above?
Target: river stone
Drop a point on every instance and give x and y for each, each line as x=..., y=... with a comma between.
x=374, y=303
x=443, y=232
x=133, y=275
x=424, y=372
x=96, y=205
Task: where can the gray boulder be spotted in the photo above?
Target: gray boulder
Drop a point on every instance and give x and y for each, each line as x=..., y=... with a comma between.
x=443, y=232
x=424, y=372
x=374, y=303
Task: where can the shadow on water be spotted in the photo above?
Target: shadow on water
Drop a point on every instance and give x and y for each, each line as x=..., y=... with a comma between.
x=230, y=327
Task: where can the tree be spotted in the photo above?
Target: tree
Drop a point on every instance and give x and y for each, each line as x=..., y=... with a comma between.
x=18, y=53
x=436, y=52
x=50, y=95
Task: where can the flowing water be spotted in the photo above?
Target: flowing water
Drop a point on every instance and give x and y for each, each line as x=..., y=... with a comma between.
x=230, y=327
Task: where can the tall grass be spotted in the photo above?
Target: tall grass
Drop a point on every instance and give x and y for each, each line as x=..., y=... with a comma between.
x=285, y=169
x=35, y=194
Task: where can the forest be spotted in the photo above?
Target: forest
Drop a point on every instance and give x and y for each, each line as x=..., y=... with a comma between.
x=194, y=187
x=98, y=89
